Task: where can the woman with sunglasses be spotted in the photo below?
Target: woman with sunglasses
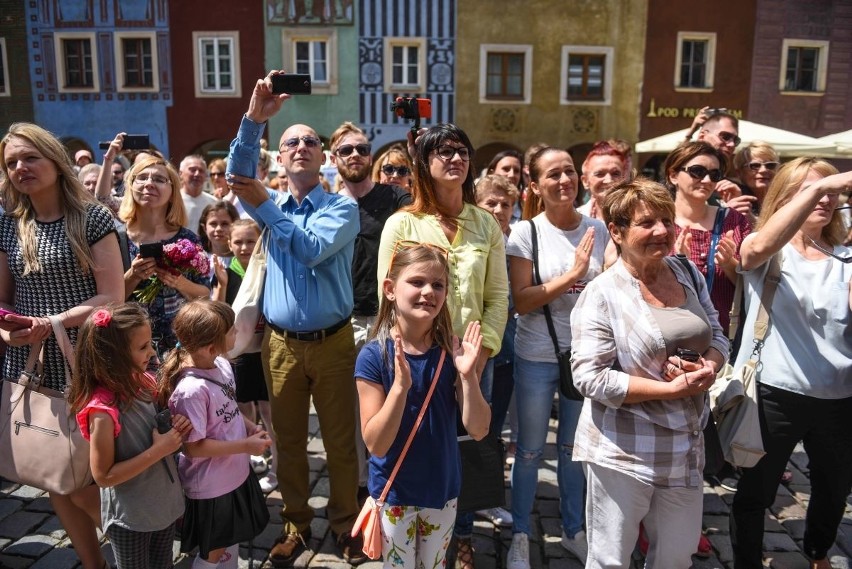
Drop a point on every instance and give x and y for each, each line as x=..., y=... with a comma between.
x=710, y=236
x=444, y=213
x=393, y=166
x=805, y=372
x=755, y=165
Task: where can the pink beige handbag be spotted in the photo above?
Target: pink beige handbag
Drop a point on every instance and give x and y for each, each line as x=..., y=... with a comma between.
x=40, y=441
x=369, y=521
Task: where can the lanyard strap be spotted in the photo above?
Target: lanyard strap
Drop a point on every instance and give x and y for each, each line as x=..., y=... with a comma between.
x=714, y=243
x=415, y=427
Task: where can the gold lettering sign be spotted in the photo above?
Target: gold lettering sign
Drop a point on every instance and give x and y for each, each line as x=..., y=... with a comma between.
x=655, y=112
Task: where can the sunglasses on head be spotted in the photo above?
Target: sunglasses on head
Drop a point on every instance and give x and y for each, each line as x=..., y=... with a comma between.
x=755, y=166
x=345, y=150
x=698, y=172
x=446, y=152
x=310, y=142
x=726, y=136
x=404, y=244
x=390, y=170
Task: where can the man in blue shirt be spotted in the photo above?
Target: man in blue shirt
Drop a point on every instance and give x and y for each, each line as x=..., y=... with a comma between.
x=308, y=350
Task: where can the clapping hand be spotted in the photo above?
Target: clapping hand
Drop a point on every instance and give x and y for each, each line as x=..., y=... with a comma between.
x=401, y=369
x=466, y=351
x=683, y=243
x=583, y=253
x=726, y=249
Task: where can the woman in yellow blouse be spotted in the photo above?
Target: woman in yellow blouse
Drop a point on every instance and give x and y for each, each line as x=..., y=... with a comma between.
x=445, y=214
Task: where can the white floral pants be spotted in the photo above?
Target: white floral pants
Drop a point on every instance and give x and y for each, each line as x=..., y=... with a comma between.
x=417, y=537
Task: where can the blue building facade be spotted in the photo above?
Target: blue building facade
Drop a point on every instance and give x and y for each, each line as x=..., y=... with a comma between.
x=406, y=49
x=99, y=67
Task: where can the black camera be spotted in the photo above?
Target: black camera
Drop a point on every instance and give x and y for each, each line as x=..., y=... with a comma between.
x=412, y=109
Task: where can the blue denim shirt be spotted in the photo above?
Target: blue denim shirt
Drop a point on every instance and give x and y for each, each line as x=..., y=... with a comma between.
x=309, y=249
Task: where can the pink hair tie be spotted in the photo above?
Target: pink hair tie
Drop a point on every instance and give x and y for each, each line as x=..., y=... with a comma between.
x=101, y=318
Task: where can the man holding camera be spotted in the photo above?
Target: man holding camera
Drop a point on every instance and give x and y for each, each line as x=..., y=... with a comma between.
x=308, y=350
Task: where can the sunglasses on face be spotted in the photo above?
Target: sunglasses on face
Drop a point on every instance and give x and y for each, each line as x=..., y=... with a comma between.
x=755, y=166
x=446, y=152
x=698, y=172
x=726, y=137
x=390, y=170
x=345, y=150
x=310, y=142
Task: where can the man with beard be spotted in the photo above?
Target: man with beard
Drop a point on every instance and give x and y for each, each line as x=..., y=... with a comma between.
x=350, y=152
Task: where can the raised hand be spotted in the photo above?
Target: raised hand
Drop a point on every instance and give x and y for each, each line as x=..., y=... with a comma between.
x=401, y=369
x=264, y=103
x=683, y=243
x=220, y=270
x=742, y=204
x=728, y=190
x=466, y=351
x=249, y=190
x=583, y=253
x=726, y=250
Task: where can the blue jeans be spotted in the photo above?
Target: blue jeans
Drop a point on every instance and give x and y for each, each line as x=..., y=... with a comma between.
x=464, y=520
x=535, y=385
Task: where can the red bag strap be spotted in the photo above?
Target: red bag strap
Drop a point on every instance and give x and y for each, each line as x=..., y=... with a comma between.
x=415, y=427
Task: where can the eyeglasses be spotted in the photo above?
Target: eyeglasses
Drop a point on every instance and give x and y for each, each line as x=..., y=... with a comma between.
x=216, y=174
x=143, y=179
x=446, y=152
x=755, y=166
x=390, y=170
x=829, y=253
x=345, y=150
x=404, y=244
x=310, y=142
x=698, y=172
x=726, y=137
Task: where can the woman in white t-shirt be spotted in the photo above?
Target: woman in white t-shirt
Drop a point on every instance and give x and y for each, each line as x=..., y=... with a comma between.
x=571, y=250
x=805, y=372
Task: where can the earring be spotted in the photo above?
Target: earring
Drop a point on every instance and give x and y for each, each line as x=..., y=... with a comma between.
x=391, y=297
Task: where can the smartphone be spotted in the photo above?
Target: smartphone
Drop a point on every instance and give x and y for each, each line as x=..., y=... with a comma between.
x=292, y=83
x=131, y=142
x=164, y=421
x=9, y=326
x=688, y=355
x=152, y=250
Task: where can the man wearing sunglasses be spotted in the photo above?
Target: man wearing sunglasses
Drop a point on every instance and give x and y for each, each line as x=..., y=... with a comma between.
x=350, y=152
x=308, y=349
x=720, y=129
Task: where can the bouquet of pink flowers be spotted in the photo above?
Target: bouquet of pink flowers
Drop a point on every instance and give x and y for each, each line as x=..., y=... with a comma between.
x=181, y=257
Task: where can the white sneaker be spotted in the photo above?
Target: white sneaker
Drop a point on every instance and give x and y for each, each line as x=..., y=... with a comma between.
x=497, y=516
x=258, y=463
x=577, y=545
x=268, y=483
x=519, y=553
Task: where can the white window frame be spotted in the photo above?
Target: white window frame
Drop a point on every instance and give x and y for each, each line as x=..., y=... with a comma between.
x=289, y=40
x=200, y=71
x=420, y=44
x=7, y=92
x=119, y=62
x=709, y=78
x=609, y=61
x=59, y=53
x=822, y=66
x=526, y=50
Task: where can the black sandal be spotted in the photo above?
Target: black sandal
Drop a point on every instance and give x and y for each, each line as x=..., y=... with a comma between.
x=464, y=553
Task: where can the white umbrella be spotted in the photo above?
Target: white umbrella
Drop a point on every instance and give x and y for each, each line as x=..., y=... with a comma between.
x=785, y=142
x=842, y=141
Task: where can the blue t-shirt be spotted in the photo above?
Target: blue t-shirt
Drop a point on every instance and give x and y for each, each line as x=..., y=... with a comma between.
x=430, y=475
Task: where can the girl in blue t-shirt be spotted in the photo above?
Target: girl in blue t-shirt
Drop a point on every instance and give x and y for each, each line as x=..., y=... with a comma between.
x=394, y=372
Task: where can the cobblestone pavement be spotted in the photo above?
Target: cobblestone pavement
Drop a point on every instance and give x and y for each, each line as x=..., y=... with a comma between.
x=31, y=536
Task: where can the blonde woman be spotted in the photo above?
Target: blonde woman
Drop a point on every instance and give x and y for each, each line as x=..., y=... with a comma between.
x=59, y=256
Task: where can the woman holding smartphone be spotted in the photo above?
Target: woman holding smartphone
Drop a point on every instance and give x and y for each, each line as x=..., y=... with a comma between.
x=155, y=216
x=59, y=256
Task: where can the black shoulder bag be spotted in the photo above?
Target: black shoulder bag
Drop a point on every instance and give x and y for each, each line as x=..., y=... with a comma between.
x=563, y=358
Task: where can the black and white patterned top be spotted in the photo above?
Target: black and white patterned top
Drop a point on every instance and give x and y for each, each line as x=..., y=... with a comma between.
x=59, y=286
